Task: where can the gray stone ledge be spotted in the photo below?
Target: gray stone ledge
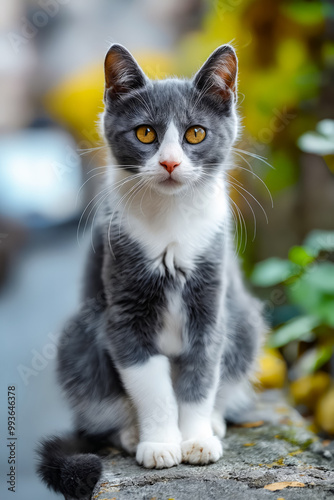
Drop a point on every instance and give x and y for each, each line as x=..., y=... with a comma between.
x=281, y=449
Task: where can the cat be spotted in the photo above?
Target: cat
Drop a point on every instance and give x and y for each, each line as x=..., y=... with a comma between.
x=167, y=336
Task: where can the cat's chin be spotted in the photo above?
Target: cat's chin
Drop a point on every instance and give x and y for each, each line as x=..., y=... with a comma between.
x=170, y=187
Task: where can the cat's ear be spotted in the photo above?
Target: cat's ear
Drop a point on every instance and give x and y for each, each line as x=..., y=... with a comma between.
x=218, y=75
x=122, y=73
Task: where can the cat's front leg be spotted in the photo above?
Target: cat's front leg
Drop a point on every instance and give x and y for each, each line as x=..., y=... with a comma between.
x=196, y=403
x=150, y=388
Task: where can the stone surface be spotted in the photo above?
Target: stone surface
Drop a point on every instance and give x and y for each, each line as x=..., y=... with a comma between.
x=277, y=448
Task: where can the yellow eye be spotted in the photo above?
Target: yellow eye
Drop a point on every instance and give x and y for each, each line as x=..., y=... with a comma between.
x=146, y=134
x=195, y=134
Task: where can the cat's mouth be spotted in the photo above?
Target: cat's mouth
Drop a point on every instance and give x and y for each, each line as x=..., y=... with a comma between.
x=170, y=186
x=170, y=182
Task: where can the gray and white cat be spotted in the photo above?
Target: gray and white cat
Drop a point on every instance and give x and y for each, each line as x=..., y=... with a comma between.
x=166, y=338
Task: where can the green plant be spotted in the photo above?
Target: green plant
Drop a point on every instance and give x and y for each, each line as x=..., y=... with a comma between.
x=307, y=277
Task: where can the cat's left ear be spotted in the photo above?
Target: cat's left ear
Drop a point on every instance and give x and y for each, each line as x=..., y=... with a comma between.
x=122, y=73
x=218, y=75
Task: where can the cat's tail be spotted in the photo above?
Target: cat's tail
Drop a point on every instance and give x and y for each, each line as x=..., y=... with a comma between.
x=68, y=466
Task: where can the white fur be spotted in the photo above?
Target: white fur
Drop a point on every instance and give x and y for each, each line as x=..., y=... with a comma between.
x=170, y=340
x=150, y=387
x=170, y=149
x=218, y=424
x=158, y=455
x=179, y=228
x=202, y=451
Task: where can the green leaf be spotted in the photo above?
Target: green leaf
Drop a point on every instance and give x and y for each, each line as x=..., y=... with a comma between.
x=273, y=271
x=298, y=255
x=319, y=240
x=325, y=310
x=312, y=300
x=321, y=277
x=293, y=330
x=304, y=295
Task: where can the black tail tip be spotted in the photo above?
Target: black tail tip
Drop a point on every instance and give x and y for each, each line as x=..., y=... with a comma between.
x=64, y=471
x=79, y=475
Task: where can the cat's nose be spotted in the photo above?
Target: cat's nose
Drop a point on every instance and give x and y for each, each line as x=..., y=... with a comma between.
x=170, y=165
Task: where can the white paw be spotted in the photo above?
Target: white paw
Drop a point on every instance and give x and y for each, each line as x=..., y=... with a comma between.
x=158, y=455
x=129, y=438
x=201, y=450
x=218, y=424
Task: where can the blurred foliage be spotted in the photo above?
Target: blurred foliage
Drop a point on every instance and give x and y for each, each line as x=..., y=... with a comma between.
x=307, y=277
x=272, y=370
x=324, y=415
x=320, y=142
x=307, y=390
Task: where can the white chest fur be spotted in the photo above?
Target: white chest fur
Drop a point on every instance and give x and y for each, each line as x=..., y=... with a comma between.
x=171, y=338
x=174, y=231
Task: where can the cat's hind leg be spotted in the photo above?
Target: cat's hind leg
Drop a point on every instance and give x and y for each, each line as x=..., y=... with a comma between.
x=232, y=399
x=114, y=418
x=218, y=423
x=129, y=438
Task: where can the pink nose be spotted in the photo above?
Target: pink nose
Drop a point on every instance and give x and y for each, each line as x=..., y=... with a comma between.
x=170, y=165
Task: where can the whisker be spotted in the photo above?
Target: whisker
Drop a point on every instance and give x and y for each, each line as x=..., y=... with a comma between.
x=132, y=193
x=149, y=184
x=262, y=182
x=115, y=167
x=85, y=151
x=244, y=197
x=236, y=229
x=253, y=155
x=119, y=185
x=234, y=165
x=263, y=210
x=83, y=185
x=242, y=224
x=109, y=190
x=113, y=213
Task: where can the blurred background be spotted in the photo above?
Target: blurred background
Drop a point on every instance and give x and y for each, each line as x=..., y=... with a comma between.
x=51, y=160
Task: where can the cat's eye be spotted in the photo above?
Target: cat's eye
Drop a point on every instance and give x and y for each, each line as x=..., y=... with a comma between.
x=146, y=134
x=195, y=134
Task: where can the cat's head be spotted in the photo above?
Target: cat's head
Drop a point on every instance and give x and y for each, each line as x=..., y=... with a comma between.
x=173, y=134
